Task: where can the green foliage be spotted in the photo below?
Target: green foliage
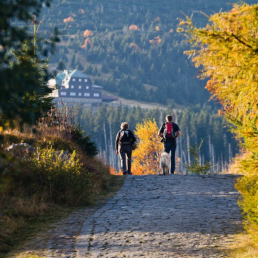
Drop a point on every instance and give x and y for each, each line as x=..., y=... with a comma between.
x=84, y=141
x=33, y=101
x=195, y=165
x=22, y=78
x=135, y=57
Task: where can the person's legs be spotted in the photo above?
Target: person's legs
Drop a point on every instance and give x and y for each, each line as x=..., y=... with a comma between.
x=123, y=159
x=166, y=147
x=173, y=159
x=128, y=149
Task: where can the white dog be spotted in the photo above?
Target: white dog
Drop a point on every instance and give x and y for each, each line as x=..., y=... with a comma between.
x=165, y=163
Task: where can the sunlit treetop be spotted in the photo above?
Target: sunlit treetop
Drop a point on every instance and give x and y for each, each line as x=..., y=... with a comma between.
x=227, y=51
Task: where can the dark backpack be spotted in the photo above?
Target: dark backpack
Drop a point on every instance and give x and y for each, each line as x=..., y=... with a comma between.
x=125, y=136
x=168, y=131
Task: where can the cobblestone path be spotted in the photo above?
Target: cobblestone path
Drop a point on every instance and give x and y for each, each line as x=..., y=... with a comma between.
x=164, y=216
x=151, y=216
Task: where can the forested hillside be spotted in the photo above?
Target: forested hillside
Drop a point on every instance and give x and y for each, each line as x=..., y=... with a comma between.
x=131, y=47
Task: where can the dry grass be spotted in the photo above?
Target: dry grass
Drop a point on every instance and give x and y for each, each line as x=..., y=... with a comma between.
x=245, y=247
x=28, y=207
x=234, y=167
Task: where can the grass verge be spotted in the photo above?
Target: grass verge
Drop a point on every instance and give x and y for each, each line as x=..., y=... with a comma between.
x=26, y=229
x=244, y=247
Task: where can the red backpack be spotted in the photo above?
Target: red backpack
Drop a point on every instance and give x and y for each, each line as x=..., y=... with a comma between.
x=168, y=132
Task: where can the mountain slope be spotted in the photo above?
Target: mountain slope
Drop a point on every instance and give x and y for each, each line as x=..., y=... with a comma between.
x=131, y=47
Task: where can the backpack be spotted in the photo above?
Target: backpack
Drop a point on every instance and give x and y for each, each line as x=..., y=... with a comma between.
x=124, y=136
x=168, y=132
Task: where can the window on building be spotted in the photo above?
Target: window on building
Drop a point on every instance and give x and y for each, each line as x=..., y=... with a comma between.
x=79, y=94
x=80, y=80
x=73, y=80
x=85, y=80
x=96, y=94
x=80, y=86
x=72, y=86
x=87, y=87
x=62, y=93
x=72, y=93
x=86, y=94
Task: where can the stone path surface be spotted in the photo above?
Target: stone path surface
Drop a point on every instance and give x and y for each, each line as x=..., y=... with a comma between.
x=164, y=216
x=151, y=216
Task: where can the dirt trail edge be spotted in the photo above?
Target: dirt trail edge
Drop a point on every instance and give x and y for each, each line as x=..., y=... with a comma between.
x=164, y=216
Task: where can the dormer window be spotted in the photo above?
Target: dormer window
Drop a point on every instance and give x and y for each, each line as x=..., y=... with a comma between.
x=85, y=80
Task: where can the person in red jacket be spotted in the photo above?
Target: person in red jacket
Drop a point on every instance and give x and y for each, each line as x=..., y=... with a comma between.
x=123, y=145
x=169, y=131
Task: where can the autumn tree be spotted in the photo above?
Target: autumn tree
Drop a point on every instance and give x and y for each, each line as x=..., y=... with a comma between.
x=227, y=51
x=146, y=156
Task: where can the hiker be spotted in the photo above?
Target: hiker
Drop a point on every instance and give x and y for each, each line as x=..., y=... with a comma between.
x=124, y=141
x=169, y=131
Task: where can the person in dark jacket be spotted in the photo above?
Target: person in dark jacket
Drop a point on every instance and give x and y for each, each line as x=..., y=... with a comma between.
x=123, y=145
x=170, y=144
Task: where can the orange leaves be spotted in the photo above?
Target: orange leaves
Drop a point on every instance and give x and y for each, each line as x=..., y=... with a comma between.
x=226, y=49
x=146, y=156
x=171, y=31
x=81, y=11
x=69, y=19
x=87, y=42
x=157, y=40
x=157, y=19
x=134, y=27
x=87, y=33
x=135, y=46
x=113, y=172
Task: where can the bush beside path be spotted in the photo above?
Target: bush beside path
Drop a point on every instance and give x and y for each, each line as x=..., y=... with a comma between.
x=153, y=216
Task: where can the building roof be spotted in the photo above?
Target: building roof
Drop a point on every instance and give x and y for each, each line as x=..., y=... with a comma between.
x=76, y=73
x=59, y=78
x=68, y=74
x=97, y=87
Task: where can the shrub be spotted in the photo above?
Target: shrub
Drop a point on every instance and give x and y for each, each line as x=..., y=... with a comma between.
x=62, y=179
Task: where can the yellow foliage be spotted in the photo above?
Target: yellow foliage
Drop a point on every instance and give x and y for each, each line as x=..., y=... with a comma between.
x=135, y=46
x=86, y=42
x=227, y=49
x=157, y=40
x=157, y=28
x=146, y=156
x=69, y=19
x=87, y=33
x=134, y=27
